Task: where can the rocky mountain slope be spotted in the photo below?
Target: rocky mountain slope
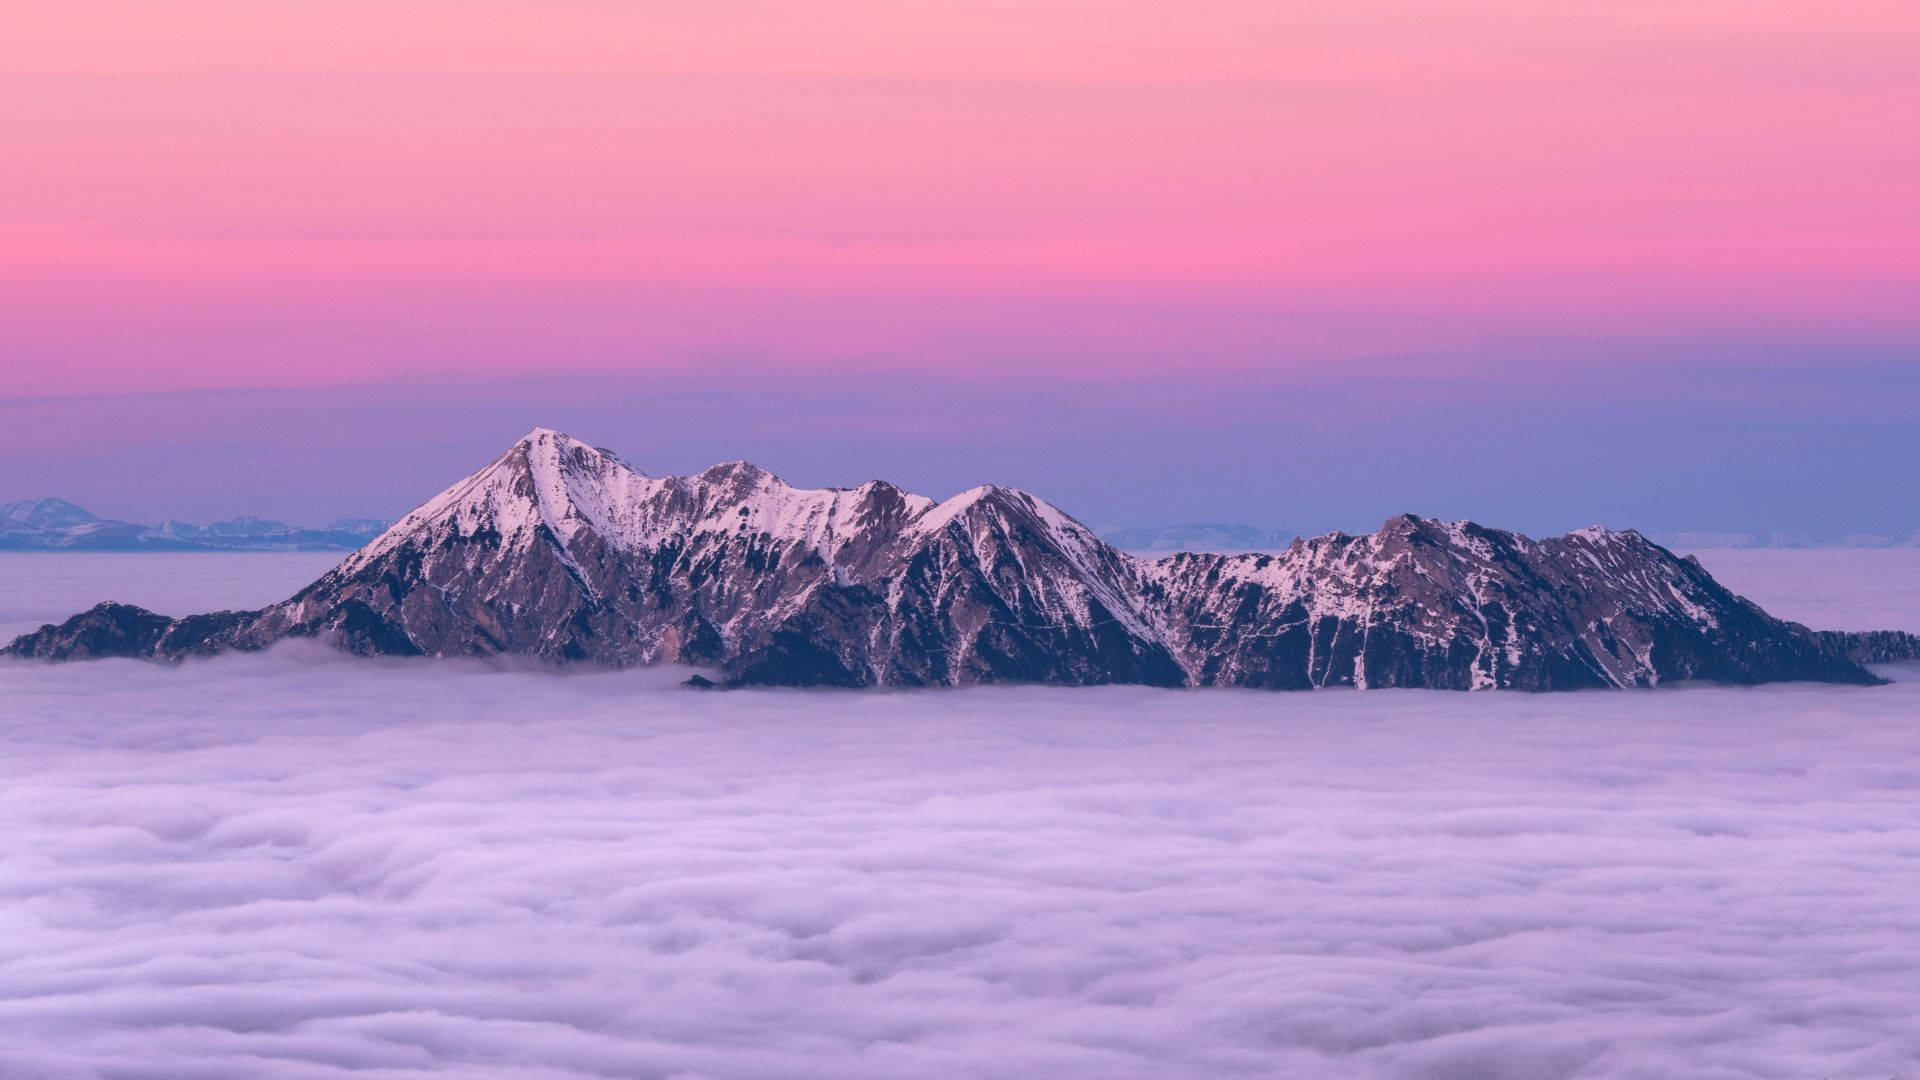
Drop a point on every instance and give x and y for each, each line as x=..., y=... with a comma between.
x=561, y=551
x=58, y=525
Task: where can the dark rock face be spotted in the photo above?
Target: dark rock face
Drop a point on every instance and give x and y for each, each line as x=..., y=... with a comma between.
x=125, y=630
x=103, y=630
x=1871, y=646
x=562, y=552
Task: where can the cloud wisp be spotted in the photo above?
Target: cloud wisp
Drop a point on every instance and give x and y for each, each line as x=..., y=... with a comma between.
x=298, y=866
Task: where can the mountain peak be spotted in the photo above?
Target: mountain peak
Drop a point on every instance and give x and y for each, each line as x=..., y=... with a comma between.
x=738, y=473
x=1601, y=536
x=547, y=481
x=47, y=513
x=993, y=495
x=1406, y=524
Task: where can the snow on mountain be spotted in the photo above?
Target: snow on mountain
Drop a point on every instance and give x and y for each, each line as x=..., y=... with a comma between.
x=552, y=486
x=563, y=551
x=40, y=515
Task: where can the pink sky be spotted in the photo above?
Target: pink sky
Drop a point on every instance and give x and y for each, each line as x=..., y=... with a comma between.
x=272, y=194
x=1301, y=264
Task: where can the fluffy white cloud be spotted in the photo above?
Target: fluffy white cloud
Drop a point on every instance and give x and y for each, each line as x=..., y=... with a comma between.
x=298, y=867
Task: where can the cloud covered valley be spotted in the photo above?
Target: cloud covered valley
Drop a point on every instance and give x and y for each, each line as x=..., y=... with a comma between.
x=300, y=866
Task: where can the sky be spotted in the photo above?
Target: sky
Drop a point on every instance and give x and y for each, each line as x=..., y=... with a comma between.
x=1303, y=266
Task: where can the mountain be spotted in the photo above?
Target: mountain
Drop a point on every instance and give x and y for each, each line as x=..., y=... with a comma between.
x=40, y=515
x=1195, y=536
x=1699, y=541
x=561, y=551
x=58, y=525
x=261, y=534
x=1455, y=605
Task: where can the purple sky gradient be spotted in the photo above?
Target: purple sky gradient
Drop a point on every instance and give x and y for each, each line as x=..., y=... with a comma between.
x=1641, y=434
x=1301, y=265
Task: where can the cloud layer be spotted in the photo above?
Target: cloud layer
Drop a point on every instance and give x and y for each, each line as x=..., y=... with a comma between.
x=301, y=867
x=1827, y=589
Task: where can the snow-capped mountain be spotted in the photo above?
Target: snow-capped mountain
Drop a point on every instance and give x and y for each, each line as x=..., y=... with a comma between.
x=42, y=515
x=58, y=525
x=562, y=551
x=1455, y=605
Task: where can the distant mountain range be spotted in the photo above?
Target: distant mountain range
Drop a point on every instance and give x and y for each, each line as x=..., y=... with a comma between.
x=1220, y=537
x=562, y=551
x=1701, y=541
x=1195, y=536
x=58, y=525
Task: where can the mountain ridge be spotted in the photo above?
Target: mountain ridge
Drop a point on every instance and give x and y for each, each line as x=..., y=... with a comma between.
x=1775, y=541
x=1212, y=536
x=563, y=551
x=55, y=524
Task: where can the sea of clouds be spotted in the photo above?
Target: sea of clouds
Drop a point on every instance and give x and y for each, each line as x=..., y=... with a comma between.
x=299, y=866
x=1827, y=589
